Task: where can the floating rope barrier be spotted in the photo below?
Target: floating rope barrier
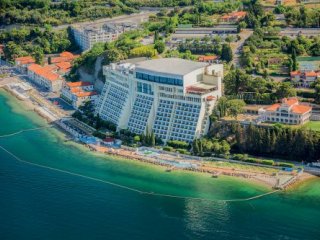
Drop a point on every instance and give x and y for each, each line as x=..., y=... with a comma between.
x=134, y=189
x=25, y=130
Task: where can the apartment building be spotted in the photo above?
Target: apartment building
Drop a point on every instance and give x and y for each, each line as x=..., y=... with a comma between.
x=87, y=36
x=289, y=111
x=76, y=93
x=169, y=96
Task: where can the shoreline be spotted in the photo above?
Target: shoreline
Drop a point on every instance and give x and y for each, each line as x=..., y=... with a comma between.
x=260, y=179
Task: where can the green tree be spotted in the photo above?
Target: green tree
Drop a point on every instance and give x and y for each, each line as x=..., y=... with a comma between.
x=285, y=90
x=136, y=139
x=235, y=107
x=160, y=46
x=225, y=147
x=38, y=55
x=153, y=139
x=294, y=60
x=226, y=54
x=195, y=146
x=156, y=36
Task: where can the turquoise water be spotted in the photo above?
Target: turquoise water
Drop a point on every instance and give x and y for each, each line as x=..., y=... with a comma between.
x=44, y=203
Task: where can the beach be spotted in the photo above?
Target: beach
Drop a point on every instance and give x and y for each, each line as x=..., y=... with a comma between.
x=258, y=175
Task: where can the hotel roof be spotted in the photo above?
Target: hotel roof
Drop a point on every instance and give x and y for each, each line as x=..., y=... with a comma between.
x=174, y=66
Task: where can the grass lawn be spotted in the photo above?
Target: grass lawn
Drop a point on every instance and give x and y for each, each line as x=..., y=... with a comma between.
x=314, y=125
x=240, y=166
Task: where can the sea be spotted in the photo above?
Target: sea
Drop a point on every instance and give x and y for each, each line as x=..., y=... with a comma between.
x=53, y=188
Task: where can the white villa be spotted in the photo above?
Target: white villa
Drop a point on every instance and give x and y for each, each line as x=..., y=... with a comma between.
x=289, y=111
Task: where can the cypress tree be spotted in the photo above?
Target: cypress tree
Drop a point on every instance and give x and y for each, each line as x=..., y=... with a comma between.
x=294, y=60
x=153, y=139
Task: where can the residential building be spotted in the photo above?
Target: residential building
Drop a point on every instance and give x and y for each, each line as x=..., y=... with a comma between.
x=171, y=97
x=289, y=111
x=76, y=93
x=22, y=63
x=87, y=36
x=233, y=17
x=45, y=76
x=304, y=78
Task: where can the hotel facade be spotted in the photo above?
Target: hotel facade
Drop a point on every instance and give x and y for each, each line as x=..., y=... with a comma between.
x=171, y=97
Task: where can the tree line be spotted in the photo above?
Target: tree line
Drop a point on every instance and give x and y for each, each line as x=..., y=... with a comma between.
x=40, y=12
x=256, y=89
x=277, y=141
x=35, y=42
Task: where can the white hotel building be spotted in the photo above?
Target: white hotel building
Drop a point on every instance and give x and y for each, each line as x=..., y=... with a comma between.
x=172, y=97
x=87, y=36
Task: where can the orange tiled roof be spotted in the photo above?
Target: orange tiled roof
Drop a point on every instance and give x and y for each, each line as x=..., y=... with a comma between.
x=79, y=84
x=210, y=98
x=64, y=66
x=290, y=101
x=45, y=72
x=207, y=58
x=301, y=109
x=237, y=15
x=273, y=107
x=59, y=59
x=295, y=73
x=85, y=94
x=64, y=57
x=75, y=89
x=240, y=14
x=311, y=74
x=25, y=60
x=66, y=54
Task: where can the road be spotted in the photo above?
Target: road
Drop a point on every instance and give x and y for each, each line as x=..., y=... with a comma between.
x=137, y=18
x=237, y=46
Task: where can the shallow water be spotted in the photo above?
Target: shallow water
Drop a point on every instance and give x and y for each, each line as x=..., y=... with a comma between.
x=42, y=203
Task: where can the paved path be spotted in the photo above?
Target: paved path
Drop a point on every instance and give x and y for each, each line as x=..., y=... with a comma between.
x=237, y=46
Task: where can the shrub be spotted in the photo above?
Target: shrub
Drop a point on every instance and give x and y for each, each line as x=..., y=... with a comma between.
x=178, y=144
x=268, y=162
x=99, y=135
x=240, y=157
x=167, y=148
x=182, y=151
x=283, y=164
